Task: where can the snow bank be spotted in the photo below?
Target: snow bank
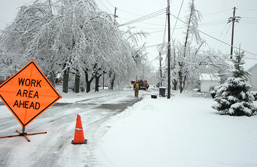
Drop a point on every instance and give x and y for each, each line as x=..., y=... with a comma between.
x=181, y=132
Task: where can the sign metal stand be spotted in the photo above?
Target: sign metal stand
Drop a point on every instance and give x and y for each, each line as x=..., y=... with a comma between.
x=23, y=134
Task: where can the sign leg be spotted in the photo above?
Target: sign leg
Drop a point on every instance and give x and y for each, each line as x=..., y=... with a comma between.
x=23, y=133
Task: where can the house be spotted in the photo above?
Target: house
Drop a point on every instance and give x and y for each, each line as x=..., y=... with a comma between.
x=207, y=81
x=253, y=78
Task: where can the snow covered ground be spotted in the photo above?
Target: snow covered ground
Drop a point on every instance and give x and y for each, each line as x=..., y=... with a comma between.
x=183, y=131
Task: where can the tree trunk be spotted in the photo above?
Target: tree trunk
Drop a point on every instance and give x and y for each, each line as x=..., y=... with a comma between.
x=97, y=83
x=77, y=82
x=175, y=83
x=180, y=76
x=184, y=81
x=88, y=82
x=111, y=79
x=180, y=81
x=65, y=85
x=51, y=78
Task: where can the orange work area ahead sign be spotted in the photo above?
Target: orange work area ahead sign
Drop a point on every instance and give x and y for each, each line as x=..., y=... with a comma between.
x=28, y=93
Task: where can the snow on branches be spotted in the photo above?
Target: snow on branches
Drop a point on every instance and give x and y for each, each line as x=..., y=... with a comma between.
x=234, y=97
x=71, y=36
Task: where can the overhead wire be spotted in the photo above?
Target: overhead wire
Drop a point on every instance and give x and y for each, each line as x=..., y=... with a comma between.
x=136, y=14
x=226, y=43
x=216, y=38
x=162, y=11
x=146, y=17
x=177, y=19
x=154, y=45
x=208, y=14
x=222, y=34
x=151, y=32
x=130, y=12
x=164, y=34
x=254, y=10
x=105, y=6
x=213, y=22
x=249, y=20
x=110, y=3
x=145, y=22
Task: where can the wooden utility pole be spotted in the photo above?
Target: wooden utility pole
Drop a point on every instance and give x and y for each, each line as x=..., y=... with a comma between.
x=160, y=59
x=233, y=20
x=168, y=54
x=115, y=15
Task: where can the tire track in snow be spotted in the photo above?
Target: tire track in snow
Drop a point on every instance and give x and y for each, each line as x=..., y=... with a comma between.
x=55, y=148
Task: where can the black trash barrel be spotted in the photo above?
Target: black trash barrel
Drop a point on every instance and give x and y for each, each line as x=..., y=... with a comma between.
x=162, y=91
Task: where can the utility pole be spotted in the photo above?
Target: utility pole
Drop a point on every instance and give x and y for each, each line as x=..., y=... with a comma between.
x=160, y=58
x=168, y=16
x=233, y=20
x=115, y=15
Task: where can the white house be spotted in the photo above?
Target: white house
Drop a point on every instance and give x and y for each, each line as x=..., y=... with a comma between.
x=207, y=81
x=253, y=78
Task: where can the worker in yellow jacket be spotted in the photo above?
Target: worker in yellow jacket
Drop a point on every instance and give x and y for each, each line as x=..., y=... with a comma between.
x=136, y=89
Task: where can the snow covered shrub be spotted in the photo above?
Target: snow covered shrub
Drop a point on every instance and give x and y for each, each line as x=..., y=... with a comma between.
x=234, y=97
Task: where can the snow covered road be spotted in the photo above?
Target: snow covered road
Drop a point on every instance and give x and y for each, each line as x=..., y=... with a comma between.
x=183, y=131
x=55, y=148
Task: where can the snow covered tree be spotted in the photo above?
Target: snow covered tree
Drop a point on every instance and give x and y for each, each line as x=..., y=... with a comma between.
x=192, y=32
x=188, y=61
x=69, y=37
x=234, y=97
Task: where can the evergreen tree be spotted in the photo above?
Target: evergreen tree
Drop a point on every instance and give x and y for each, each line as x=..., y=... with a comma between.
x=234, y=97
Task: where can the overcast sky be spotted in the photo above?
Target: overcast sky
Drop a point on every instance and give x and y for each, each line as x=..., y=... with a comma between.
x=215, y=14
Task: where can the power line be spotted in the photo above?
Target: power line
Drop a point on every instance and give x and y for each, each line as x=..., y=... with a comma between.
x=226, y=43
x=208, y=14
x=105, y=6
x=222, y=34
x=251, y=18
x=130, y=12
x=216, y=38
x=155, y=32
x=214, y=22
x=149, y=16
x=210, y=25
x=145, y=22
x=249, y=22
x=177, y=18
x=254, y=10
x=110, y=3
x=164, y=34
x=146, y=17
x=155, y=45
x=150, y=28
x=136, y=14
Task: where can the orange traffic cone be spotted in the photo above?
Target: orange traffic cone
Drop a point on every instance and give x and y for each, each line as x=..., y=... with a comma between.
x=79, y=135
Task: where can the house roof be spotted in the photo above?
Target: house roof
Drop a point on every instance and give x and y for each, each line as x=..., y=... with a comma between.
x=209, y=77
x=252, y=68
